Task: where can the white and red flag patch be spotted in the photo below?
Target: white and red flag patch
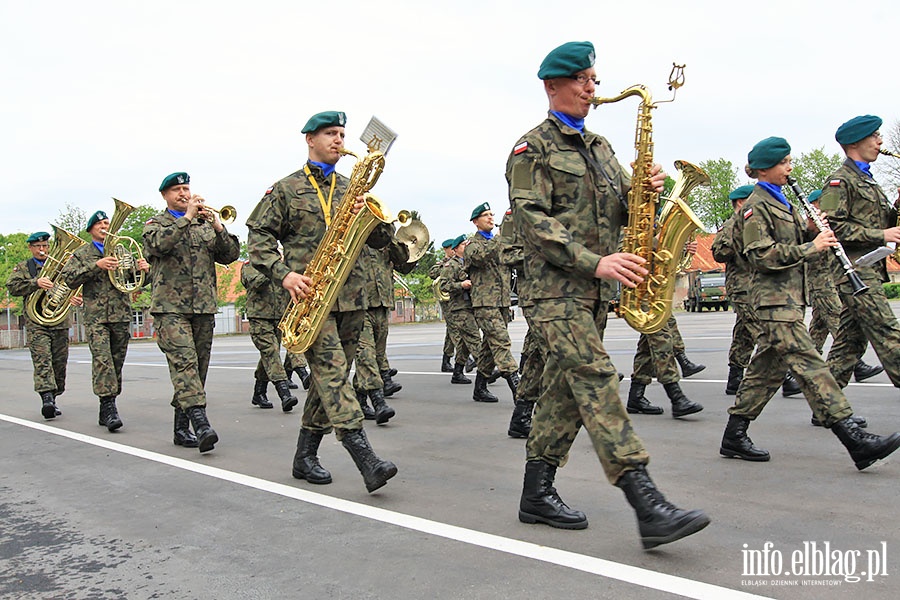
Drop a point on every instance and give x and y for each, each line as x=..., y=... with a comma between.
x=269, y=191
x=834, y=182
x=748, y=213
x=520, y=148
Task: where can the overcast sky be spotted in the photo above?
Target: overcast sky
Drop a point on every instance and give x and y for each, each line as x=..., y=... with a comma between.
x=104, y=99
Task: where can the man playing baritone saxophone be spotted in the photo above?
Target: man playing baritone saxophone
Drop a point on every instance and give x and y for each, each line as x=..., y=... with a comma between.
x=183, y=245
x=107, y=316
x=566, y=190
x=863, y=219
x=296, y=212
x=49, y=345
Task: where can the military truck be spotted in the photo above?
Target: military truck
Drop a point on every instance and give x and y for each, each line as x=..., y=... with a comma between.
x=706, y=290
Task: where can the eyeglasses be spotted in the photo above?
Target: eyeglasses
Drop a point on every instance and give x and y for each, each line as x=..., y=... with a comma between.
x=40, y=245
x=582, y=79
x=878, y=135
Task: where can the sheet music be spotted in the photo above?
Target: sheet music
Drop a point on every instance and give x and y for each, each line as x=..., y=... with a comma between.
x=870, y=258
x=378, y=136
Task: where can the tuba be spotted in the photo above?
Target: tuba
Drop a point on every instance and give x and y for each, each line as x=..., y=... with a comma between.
x=127, y=277
x=647, y=307
x=50, y=307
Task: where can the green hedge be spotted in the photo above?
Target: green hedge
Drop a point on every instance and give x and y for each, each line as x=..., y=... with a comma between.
x=892, y=290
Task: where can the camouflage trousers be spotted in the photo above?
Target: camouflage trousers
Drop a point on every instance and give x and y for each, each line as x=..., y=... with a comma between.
x=866, y=317
x=50, y=356
x=580, y=387
x=451, y=338
x=109, y=344
x=368, y=371
x=655, y=356
x=267, y=338
x=782, y=345
x=330, y=401
x=463, y=321
x=677, y=340
x=293, y=360
x=531, y=365
x=379, y=318
x=186, y=340
x=826, y=316
x=744, y=333
x=496, y=347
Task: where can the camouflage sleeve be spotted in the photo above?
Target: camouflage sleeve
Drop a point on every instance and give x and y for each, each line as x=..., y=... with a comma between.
x=835, y=201
x=252, y=279
x=227, y=248
x=80, y=268
x=723, y=243
x=511, y=251
x=398, y=255
x=531, y=195
x=268, y=223
x=381, y=236
x=449, y=279
x=766, y=253
x=161, y=240
x=20, y=282
x=435, y=271
x=478, y=253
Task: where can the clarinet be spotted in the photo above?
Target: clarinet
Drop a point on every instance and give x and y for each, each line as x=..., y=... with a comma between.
x=858, y=286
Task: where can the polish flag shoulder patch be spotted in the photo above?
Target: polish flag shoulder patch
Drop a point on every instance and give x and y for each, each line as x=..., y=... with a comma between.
x=269, y=191
x=520, y=148
x=748, y=213
x=834, y=183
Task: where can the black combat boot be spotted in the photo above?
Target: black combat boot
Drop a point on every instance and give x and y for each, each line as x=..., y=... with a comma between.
x=383, y=412
x=638, y=404
x=48, y=405
x=446, y=367
x=375, y=471
x=470, y=364
x=458, y=375
x=862, y=371
x=659, y=521
x=363, y=398
x=290, y=381
x=306, y=460
x=735, y=376
x=512, y=380
x=182, y=431
x=860, y=421
x=737, y=444
x=481, y=393
x=109, y=415
x=790, y=387
x=288, y=400
x=392, y=372
x=391, y=387
x=681, y=405
x=303, y=374
x=259, y=394
x=687, y=367
x=540, y=503
x=865, y=448
x=494, y=376
x=520, y=422
x=206, y=435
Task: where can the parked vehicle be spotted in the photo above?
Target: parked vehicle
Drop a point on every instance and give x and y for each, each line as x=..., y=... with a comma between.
x=706, y=290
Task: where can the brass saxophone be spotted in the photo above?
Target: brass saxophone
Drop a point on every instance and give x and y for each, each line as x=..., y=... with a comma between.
x=128, y=277
x=647, y=307
x=50, y=307
x=336, y=254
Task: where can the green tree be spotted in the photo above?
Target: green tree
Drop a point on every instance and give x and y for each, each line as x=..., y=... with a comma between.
x=73, y=219
x=133, y=226
x=14, y=250
x=710, y=203
x=812, y=169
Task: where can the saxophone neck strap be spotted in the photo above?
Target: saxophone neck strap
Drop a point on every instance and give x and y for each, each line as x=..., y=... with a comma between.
x=326, y=204
x=599, y=168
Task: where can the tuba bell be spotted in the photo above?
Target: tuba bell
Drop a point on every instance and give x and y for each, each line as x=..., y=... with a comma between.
x=50, y=307
x=127, y=277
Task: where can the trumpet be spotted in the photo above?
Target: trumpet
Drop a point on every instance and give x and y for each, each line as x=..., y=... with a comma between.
x=227, y=214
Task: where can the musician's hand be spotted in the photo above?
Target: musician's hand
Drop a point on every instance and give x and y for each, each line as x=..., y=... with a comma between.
x=298, y=285
x=76, y=300
x=359, y=204
x=466, y=285
x=108, y=263
x=143, y=265
x=691, y=247
x=825, y=240
x=623, y=267
x=657, y=178
x=45, y=283
x=194, y=207
x=892, y=234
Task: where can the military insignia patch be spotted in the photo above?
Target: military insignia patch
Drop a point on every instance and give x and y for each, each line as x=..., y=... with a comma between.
x=834, y=182
x=269, y=191
x=520, y=148
x=748, y=213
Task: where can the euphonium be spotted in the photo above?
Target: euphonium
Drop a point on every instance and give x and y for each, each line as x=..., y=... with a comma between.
x=647, y=307
x=50, y=307
x=336, y=254
x=127, y=277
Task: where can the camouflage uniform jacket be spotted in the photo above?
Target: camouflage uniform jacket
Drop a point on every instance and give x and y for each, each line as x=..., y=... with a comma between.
x=490, y=278
x=819, y=273
x=379, y=266
x=21, y=283
x=452, y=276
x=858, y=212
x=266, y=299
x=183, y=254
x=512, y=255
x=290, y=212
x=777, y=247
x=568, y=213
x=103, y=303
x=728, y=248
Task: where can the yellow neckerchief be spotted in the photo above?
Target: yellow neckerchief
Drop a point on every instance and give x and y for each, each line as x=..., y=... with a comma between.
x=326, y=206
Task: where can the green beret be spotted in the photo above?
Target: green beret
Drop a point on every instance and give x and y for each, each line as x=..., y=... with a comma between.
x=814, y=195
x=97, y=216
x=324, y=119
x=180, y=178
x=484, y=206
x=38, y=236
x=768, y=153
x=458, y=241
x=567, y=60
x=447, y=243
x=856, y=129
x=741, y=193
